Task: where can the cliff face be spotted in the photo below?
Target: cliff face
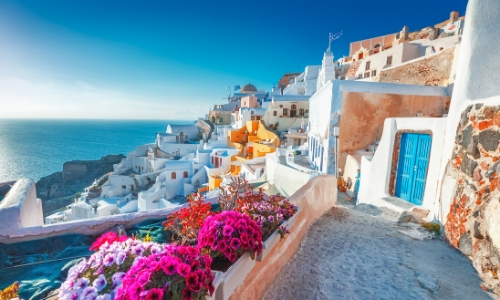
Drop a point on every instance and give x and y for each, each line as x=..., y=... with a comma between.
x=58, y=189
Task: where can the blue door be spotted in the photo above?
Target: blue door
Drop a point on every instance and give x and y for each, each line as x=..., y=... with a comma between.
x=414, y=155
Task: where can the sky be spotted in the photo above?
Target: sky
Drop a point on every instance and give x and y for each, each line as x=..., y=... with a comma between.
x=170, y=59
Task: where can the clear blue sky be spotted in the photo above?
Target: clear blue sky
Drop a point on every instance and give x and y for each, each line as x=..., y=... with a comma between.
x=174, y=59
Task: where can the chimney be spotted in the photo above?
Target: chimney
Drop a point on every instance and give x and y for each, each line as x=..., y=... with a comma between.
x=453, y=16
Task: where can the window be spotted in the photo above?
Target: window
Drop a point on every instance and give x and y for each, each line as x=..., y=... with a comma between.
x=301, y=112
x=124, y=187
x=389, y=60
x=306, y=113
x=186, y=137
x=195, y=171
x=360, y=76
x=185, y=174
x=220, y=161
x=294, y=106
x=275, y=113
x=176, y=137
x=367, y=66
x=252, y=112
x=285, y=111
x=221, y=120
x=174, y=175
x=367, y=74
x=374, y=73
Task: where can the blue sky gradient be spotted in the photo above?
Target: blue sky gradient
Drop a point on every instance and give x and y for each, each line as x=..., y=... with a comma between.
x=174, y=59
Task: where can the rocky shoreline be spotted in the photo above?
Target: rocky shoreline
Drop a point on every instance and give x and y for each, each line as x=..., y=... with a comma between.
x=60, y=188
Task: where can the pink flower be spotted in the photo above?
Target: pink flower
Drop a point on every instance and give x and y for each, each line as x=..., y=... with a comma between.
x=235, y=243
x=143, y=278
x=192, y=282
x=155, y=294
x=170, y=266
x=183, y=269
x=228, y=230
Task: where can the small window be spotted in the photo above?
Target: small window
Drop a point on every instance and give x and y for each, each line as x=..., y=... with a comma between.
x=275, y=113
x=186, y=137
x=221, y=120
x=124, y=187
x=185, y=174
x=174, y=175
x=306, y=113
x=389, y=60
x=374, y=73
x=294, y=106
x=220, y=160
x=252, y=112
x=285, y=111
x=176, y=137
x=367, y=66
x=301, y=112
x=367, y=74
x=195, y=171
x=360, y=76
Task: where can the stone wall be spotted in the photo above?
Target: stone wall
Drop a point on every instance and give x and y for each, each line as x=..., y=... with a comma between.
x=353, y=68
x=434, y=70
x=473, y=221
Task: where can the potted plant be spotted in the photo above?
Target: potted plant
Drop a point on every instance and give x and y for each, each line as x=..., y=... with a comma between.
x=233, y=240
x=275, y=215
x=180, y=272
x=342, y=184
x=186, y=223
x=101, y=275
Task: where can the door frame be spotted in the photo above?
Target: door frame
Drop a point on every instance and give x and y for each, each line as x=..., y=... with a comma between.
x=395, y=157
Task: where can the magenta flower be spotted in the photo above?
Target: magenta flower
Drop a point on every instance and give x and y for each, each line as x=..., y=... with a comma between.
x=183, y=269
x=235, y=243
x=228, y=230
x=192, y=282
x=143, y=278
x=170, y=266
x=155, y=294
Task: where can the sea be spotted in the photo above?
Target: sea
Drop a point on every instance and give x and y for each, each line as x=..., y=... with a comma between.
x=33, y=149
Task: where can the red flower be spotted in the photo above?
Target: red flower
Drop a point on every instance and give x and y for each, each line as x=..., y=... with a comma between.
x=155, y=294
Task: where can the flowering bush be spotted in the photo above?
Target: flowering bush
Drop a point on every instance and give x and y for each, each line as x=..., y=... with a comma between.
x=231, y=234
x=109, y=237
x=231, y=193
x=269, y=213
x=178, y=272
x=100, y=276
x=186, y=223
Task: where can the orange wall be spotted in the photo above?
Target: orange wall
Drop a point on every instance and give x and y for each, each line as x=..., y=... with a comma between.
x=362, y=113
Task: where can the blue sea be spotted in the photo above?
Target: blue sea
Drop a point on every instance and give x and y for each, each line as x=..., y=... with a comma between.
x=37, y=148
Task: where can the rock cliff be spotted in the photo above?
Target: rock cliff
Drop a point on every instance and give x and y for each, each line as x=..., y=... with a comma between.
x=58, y=189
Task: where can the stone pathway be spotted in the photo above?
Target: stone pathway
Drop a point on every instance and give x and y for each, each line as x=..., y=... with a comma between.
x=352, y=254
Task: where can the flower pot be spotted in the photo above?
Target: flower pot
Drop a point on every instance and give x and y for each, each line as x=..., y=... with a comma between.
x=271, y=241
x=217, y=284
x=234, y=277
x=342, y=189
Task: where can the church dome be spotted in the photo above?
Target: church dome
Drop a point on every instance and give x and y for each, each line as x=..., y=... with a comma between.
x=248, y=88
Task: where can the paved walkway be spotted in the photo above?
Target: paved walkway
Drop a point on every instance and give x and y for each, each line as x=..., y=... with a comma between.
x=352, y=254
